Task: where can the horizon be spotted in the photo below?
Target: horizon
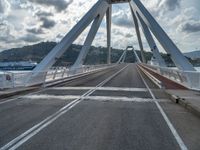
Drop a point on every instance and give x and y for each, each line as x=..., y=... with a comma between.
x=42, y=21
x=91, y=46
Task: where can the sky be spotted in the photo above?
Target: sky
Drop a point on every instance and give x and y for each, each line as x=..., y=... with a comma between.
x=26, y=22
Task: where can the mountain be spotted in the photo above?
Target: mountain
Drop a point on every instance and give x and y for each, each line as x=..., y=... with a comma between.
x=96, y=55
x=193, y=55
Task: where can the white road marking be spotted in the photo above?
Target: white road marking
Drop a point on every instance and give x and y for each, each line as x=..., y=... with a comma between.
x=3, y=101
x=102, y=89
x=96, y=98
x=170, y=125
x=18, y=141
x=14, y=99
x=52, y=97
x=9, y=100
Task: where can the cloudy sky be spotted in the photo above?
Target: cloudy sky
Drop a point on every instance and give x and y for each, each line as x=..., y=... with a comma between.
x=26, y=22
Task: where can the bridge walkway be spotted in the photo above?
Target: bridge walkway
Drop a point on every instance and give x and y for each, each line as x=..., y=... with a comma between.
x=109, y=110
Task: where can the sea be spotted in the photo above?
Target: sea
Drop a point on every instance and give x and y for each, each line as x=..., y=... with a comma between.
x=198, y=69
x=26, y=71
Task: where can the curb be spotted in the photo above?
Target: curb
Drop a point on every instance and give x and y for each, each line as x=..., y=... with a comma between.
x=178, y=100
x=67, y=79
x=183, y=102
x=9, y=94
x=49, y=84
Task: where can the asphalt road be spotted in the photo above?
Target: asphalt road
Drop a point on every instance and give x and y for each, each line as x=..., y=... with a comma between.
x=118, y=114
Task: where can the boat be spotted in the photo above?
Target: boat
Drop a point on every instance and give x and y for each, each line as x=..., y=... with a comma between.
x=20, y=65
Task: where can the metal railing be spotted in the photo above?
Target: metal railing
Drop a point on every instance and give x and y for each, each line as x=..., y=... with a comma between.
x=27, y=78
x=190, y=79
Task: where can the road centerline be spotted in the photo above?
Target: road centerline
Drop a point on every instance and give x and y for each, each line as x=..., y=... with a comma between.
x=18, y=141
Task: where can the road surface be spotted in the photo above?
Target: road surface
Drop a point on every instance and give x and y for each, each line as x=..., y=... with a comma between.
x=115, y=109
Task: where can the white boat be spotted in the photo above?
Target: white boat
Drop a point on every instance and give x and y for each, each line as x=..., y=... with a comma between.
x=21, y=65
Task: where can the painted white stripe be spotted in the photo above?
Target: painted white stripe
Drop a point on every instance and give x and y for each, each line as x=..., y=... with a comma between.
x=17, y=98
x=97, y=98
x=52, y=97
x=3, y=101
x=18, y=141
x=102, y=89
x=26, y=138
x=170, y=125
x=152, y=78
x=9, y=100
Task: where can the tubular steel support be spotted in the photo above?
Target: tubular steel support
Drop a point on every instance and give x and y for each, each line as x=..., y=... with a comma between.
x=138, y=35
x=136, y=56
x=121, y=57
x=88, y=42
x=108, y=24
x=177, y=57
x=151, y=43
x=96, y=13
x=124, y=56
x=65, y=43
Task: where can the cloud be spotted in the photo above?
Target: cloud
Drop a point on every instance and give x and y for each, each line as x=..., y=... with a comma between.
x=5, y=30
x=169, y=4
x=41, y=13
x=35, y=18
x=47, y=23
x=128, y=35
x=191, y=27
x=121, y=19
x=43, y=16
x=59, y=37
x=187, y=21
x=30, y=38
x=4, y=7
x=35, y=30
x=161, y=8
x=59, y=5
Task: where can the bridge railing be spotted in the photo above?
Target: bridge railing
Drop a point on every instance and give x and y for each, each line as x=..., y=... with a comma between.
x=21, y=79
x=190, y=79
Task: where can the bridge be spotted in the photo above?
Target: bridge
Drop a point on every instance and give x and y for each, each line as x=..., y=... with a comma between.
x=110, y=106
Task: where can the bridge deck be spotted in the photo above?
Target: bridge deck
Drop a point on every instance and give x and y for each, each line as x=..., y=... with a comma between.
x=119, y=114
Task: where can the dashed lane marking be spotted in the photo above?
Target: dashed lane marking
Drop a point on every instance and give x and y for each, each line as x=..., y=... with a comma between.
x=95, y=98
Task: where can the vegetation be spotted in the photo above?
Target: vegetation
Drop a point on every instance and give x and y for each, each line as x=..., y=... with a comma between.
x=96, y=55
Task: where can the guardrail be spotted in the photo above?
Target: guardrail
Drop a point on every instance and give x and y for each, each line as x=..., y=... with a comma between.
x=25, y=79
x=189, y=79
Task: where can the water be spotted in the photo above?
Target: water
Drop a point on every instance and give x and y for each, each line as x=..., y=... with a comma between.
x=15, y=71
x=198, y=69
x=26, y=71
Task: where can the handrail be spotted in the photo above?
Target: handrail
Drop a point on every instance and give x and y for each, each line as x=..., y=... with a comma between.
x=19, y=79
x=190, y=79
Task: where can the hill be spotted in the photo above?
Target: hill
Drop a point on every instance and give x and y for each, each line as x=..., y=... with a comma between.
x=96, y=55
x=193, y=55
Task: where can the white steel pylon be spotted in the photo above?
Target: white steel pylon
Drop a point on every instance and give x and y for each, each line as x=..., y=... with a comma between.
x=136, y=55
x=65, y=43
x=108, y=25
x=178, y=58
x=138, y=35
x=96, y=13
x=151, y=43
x=122, y=56
x=88, y=42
